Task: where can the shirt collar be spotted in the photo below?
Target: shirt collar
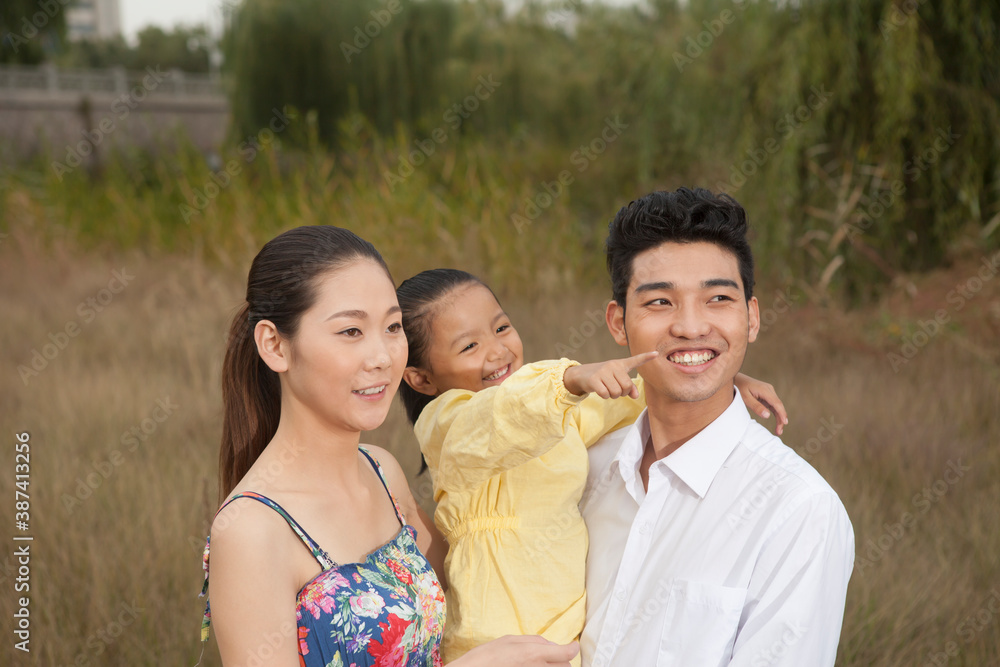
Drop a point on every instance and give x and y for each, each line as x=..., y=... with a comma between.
x=698, y=460
x=630, y=452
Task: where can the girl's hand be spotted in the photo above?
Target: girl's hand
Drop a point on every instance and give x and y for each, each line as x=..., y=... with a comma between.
x=530, y=650
x=762, y=399
x=608, y=379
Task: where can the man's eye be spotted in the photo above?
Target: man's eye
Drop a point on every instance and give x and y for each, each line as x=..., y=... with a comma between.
x=718, y=298
x=659, y=302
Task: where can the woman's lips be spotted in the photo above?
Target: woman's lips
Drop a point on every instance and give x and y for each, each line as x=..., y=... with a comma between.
x=372, y=393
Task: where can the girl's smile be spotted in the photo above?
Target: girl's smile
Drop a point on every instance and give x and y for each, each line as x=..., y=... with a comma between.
x=472, y=343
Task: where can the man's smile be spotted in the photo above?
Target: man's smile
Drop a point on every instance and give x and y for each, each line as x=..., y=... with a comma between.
x=692, y=357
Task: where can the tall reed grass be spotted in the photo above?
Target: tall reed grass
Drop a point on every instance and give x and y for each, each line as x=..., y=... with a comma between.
x=459, y=206
x=133, y=542
x=119, y=523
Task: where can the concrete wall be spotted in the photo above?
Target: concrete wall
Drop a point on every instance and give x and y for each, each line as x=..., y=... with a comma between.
x=61, y=116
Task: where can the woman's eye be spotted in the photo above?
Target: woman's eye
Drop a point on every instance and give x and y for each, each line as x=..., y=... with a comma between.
x=395, y=327
x=353, y=332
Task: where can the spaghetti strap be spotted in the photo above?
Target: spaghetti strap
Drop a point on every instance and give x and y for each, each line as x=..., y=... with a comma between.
x=381, y=476
x=319, y=554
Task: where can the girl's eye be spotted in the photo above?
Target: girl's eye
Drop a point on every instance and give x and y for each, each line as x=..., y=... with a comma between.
x=467, y=348
x=502, y=328
x=395, y=327
x=353, y=332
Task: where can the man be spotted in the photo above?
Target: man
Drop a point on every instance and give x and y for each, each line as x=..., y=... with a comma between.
x=711, y=542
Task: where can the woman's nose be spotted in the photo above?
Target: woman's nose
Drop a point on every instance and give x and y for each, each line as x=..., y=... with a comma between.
x=379, y=357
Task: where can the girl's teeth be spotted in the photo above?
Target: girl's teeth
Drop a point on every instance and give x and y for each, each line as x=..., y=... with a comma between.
x=371, y=391
x=497, y=373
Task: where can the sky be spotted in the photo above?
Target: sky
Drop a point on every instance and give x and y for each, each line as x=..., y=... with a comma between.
x=137, y=14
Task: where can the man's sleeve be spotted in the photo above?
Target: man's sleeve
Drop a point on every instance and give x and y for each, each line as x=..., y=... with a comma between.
x=467, y=437
x=795, y=601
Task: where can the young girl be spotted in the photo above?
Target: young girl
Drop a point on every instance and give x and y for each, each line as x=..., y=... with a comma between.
x=314, y=559
x=506, y=447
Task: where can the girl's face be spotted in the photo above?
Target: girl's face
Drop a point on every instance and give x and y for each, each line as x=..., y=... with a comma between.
x=347, y=358
x=472, y=342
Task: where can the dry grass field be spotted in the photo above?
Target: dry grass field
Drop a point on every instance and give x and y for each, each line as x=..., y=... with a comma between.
x=124, y=421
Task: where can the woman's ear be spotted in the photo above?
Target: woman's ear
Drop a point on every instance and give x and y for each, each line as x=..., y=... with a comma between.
x=271, y=346
x=421, y=380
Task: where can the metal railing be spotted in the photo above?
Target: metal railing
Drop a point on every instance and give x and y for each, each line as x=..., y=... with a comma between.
x=114, y=81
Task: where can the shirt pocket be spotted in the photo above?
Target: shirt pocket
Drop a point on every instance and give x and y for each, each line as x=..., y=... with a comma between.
x=700, y=624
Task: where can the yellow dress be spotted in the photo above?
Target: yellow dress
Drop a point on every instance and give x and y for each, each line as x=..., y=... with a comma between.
x=509, y=465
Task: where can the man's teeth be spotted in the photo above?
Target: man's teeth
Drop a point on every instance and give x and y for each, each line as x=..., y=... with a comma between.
x=689, y=359
x=369, y=392
x=498, y=373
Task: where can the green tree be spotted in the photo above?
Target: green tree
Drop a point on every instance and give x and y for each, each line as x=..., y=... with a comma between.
x=904, y=156
x=30, y=30
x=183, y=48
x=382, y=59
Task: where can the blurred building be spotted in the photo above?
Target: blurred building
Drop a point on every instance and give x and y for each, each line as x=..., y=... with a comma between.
x=93, y=19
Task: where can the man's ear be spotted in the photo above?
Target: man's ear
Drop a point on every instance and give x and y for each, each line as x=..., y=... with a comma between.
x=615, y=317
x=753, y=311
x=420, y=380
x=271, y=346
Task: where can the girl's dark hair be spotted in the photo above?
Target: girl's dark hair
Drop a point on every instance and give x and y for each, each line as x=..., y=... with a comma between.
x=280, y=287
x=683, y=216
x=417, y=297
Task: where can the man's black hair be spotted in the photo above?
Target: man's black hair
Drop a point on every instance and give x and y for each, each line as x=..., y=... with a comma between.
x=683, y=216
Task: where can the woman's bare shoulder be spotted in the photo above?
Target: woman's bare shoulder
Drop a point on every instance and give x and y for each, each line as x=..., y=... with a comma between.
x=247, y=523
x=394, y=475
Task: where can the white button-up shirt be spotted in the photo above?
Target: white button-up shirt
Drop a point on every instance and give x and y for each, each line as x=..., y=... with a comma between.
x=739, y=553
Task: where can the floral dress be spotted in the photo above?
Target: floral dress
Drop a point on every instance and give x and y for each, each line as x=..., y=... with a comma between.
x=385, y=611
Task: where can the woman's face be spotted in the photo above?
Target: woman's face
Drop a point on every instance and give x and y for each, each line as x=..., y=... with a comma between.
x=347, y=358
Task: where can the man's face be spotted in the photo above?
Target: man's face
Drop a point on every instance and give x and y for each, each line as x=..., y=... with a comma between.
x=686, y=301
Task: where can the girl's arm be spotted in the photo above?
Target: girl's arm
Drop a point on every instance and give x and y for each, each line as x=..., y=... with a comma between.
x=597, y=416
x=760, y=397
x=252, y=587
x=610, y=379
x=468, y=437
x=607, y=379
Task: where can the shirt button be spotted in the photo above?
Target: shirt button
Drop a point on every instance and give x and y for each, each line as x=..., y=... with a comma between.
x=644, y=528
x=620, y=594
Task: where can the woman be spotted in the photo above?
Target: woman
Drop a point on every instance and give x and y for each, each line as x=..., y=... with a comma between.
x=313, y=561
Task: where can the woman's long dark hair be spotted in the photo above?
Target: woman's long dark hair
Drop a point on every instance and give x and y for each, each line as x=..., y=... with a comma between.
x=417, y=297
x=280, y=287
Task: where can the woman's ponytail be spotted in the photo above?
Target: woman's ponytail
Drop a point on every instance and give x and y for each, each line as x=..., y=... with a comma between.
x=251, y=399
